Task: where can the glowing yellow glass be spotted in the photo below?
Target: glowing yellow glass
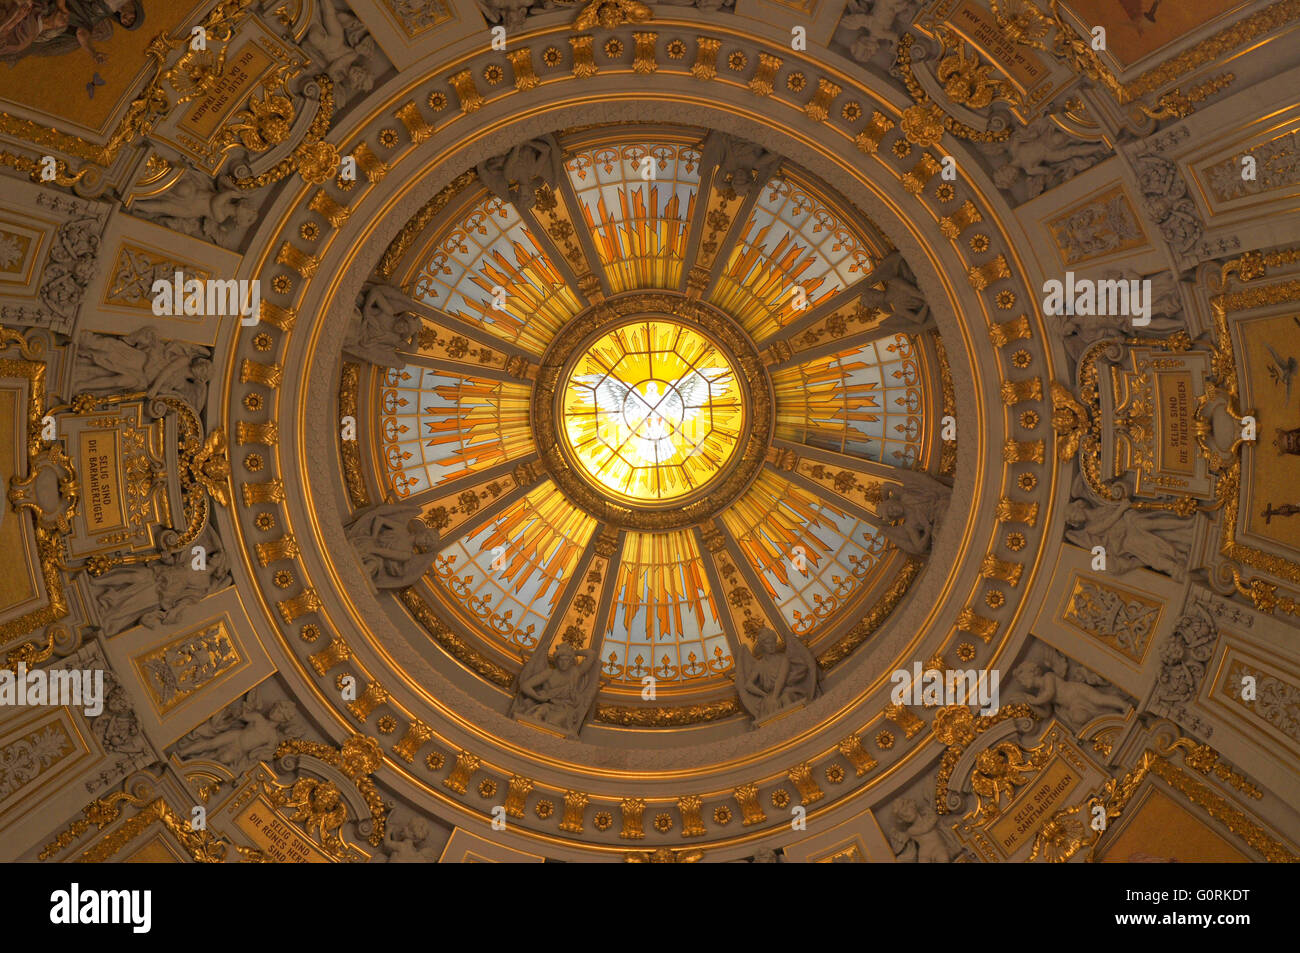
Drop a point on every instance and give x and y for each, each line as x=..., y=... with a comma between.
x=652, y=411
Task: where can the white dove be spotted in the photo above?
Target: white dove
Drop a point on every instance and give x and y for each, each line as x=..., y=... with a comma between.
x=648, y=419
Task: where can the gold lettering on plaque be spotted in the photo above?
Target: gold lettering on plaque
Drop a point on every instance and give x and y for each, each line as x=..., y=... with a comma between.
x=1037, y=801
x=1177, y=443
x=103, y=485
x=1024, y=67
x=276, y=837
x=242, y=70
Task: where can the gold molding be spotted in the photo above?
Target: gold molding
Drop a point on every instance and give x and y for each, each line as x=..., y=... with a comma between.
x=453, y=644
x=350, y=450
x=49, y=545
x=1248, y=268
x=874, y=616
x=202, y=845
x=1058, y=840
x=1078, y=53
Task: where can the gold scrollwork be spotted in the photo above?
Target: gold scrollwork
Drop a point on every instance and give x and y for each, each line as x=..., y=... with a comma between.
x=358, y=758
x=141, y=115
x=609, y=14
x=957, y=727
x=922, y=98
x=313, y=154
x=1063, y=835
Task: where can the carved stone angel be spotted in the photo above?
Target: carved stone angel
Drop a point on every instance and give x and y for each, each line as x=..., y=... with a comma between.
x=1081, y=331
x=339, y=42
x=915, y=834
x=199, y=206
x=409, y=841
x=151, y=594
x=874, y=23
x=515, y=176
x=382, y=329
x=739, y=163
x=243, y=733
x=1040, y=156
x=907, y=308
x=558, y=690
x=139, y=361
x=1075, y=703
x=395, y=546
x=1133, y=538
x=773, y=676
x=1055, y=686
x=107, y=362
x=912, y=514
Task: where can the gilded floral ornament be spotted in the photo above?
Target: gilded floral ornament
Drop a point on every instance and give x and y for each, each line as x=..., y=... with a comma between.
x=1069, y=419
x=358, y=758
x=1176, y=104
x=211, y=466
x=1022, y=22
x=999, y=771
x=196, y=74
x=264, y=123
x=1062, y=837
x=609, y=14
x=954, y=726
x=663, y=855
x=965, y=81
x=922, y=124
x=317, y=161
x=320, y=807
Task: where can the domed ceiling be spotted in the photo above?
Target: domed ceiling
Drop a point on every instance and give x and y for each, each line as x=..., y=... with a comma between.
x=650, y=417
x=623, y=432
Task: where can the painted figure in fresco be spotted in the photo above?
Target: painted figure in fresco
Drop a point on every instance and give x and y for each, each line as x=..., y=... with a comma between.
x=54, y=27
